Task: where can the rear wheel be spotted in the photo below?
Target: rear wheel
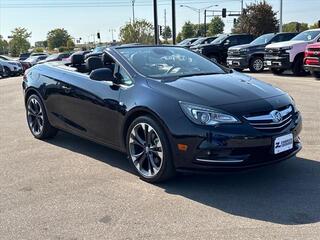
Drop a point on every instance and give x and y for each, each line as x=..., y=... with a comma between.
x=297, y=67
x=256, y=64
x=37, y=119
x=276, y=71
x=149, y=150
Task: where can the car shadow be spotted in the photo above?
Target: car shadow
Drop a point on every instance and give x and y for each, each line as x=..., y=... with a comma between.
x=286, y=193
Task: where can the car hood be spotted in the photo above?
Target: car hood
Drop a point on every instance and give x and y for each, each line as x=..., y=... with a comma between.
x=246, y=46
x=221, y=89
x=286, y=44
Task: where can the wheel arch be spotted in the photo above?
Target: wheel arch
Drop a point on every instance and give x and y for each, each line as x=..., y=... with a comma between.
x=256, y=55
x=138, y=112
x=301, y=54
x=30, y=91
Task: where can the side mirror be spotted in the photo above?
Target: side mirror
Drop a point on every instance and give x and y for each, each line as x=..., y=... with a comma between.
x=102, y=74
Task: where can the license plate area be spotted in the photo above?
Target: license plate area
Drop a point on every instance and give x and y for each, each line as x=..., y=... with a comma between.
x=283, y=143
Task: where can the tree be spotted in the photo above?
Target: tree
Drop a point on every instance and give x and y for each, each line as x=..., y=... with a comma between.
x=3, y=45
x=166, y=34
x=294, y=27
x=179, y=37
x=257, y=19
x=70, y=44
x=19, y=41
x=313, y=26
x=140, y=31
x=215, y=26
x=57, y=38
x=187, y=30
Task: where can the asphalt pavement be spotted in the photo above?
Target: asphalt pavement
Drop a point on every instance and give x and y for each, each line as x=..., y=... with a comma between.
x=70, y=188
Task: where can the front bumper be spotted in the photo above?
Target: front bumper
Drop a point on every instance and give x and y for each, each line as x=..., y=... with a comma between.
x=238, y=62
x=215, y=151
x=278, y=62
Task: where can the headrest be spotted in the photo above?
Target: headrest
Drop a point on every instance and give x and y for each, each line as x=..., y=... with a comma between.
x=94, y=63
x=77, y=59
x=106, y=59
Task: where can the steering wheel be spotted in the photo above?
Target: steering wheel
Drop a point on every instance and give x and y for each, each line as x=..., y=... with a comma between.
x=172, y=68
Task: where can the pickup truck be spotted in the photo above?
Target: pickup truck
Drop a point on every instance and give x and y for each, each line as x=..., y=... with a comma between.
x=217, y=50
x=312, y=59
x=252, y=55
x=289, y=55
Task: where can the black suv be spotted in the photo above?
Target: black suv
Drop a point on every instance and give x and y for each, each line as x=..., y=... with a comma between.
x=252, y=55
x=217, y=50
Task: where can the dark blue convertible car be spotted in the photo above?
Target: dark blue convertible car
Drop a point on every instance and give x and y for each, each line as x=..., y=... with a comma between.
x=168, y=108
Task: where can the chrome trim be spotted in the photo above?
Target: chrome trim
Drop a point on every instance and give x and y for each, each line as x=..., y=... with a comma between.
x=273, y=123
x=268, y=116
x=219, y=161
x=268, y=128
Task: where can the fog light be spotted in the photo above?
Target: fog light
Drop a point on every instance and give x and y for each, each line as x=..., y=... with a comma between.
x=182, y=147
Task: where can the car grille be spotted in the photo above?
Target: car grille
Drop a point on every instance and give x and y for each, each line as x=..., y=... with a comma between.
x=234, y=52
x=267, y=121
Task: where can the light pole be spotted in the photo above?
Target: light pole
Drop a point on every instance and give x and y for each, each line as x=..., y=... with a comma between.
x=133, y=2
x=198, y=10
x=280, y=22
x=112, y=31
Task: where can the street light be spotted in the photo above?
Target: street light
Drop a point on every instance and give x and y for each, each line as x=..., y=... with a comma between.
x=198, y=10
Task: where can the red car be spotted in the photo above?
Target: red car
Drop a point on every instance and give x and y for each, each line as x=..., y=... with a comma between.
x=312, y=59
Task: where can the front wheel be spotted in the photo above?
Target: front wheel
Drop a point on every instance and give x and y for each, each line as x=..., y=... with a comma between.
x=256, y=65
x=297, y=67
x=316, y=74
x=37, y=119
x=149, y=150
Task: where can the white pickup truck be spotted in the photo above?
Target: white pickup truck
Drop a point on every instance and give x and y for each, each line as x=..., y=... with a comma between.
x=289, y=55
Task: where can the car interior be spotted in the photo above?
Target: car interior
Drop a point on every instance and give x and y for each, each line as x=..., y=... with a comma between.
x=80, y=64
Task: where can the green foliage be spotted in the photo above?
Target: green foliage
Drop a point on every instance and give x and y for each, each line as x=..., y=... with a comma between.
x=4, y=46
x=179, y=37
x=257, y=19
x=216, y=26
x=141, y=31
x=70, y=44
x=166, y=34
x=19, y=41
x=63, y=49
x=313, y=26
x=294, y=27
x=38, y=50
x=188, y=30
x=57, y=38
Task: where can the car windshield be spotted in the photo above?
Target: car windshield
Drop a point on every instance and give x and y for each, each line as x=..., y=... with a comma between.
x=306, y=36
x=168, y=62
x=184, y=42
x=219, y=40
x=198, y=41
x=53, y=56
x=263, y=39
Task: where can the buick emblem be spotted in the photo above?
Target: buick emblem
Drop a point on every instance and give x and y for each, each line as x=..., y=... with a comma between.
x=276, y=116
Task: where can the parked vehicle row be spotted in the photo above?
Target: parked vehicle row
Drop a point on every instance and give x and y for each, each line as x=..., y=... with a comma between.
x=277, y=51
x=312, y=59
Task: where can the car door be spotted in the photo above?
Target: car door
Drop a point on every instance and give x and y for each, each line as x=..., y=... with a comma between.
x=89, y=108
x=229, y=42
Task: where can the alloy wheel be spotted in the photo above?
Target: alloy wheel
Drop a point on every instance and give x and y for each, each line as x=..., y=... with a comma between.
x=146, y=150
x=35, y=116
x=258, y=64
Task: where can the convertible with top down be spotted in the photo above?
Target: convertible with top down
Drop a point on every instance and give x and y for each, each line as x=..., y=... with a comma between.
x=170, y=109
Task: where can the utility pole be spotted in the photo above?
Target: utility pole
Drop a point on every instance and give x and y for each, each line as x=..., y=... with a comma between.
x=280, y=22
x=173, y=7
x=165, y=18
x=133, y=2
x=155, y=22
x=241, y=6
x=112, y=31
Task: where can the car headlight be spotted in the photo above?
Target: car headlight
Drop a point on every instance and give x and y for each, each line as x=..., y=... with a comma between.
x=287, y=49
x=206, y=116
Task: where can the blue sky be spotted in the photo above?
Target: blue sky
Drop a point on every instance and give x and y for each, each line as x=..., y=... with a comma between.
x=85, y=20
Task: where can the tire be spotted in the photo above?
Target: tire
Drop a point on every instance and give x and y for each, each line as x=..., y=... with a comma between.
x=148, y=163
x=238, y=69
x=276, y=71
x=297, y=67
x=37, y=119
x=316, y=74
x=256, y=65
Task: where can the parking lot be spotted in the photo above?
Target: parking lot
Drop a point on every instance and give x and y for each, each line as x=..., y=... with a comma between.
x=70, y=188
